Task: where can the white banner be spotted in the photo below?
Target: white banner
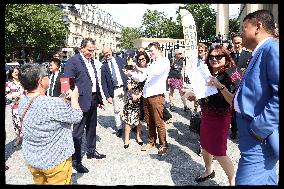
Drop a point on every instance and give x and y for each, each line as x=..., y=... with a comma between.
x=190, y=40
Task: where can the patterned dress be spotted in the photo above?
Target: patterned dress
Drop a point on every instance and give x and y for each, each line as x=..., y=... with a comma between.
x=11, y=88
x=133, y=110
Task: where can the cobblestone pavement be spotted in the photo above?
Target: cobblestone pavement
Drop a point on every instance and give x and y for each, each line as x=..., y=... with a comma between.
x=131, y=166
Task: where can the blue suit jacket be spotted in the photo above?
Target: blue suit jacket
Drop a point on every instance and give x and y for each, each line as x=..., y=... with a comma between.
x=106, y=77
x=75, y=67
x=258, y=96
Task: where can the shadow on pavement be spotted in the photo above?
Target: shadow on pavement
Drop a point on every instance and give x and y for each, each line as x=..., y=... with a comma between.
x=184, y=169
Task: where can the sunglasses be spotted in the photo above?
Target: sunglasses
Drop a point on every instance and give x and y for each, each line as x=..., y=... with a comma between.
x=237, y=43
x=200, y=50
x=141, y=59
x=217, y=57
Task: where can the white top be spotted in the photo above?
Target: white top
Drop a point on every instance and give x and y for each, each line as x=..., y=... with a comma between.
x=116, y=77
x=236, y=105
x=155, y=75
x=52, y=87
x=91, y=72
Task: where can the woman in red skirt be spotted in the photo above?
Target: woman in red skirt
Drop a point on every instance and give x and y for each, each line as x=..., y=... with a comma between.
x=216, y=113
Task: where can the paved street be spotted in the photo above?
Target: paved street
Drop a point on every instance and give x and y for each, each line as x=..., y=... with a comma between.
x=131, y=166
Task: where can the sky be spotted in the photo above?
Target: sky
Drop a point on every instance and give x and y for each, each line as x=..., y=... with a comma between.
x=130, y=15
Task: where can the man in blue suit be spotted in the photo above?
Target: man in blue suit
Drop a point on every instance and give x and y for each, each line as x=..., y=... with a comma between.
x=81, y=67
x=256, y=103
x=114, y=84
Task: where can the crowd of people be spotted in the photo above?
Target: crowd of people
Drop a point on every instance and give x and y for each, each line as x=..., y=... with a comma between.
x=50, y=126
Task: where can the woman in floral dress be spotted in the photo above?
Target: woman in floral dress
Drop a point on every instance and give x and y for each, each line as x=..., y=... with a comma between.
x=133, y=109
x=13, y=92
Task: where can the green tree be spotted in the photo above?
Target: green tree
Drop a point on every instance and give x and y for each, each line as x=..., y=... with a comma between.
x=156, y=24
x=33, y=27
x=234, y=25
x=128, y=36
x=205, y=20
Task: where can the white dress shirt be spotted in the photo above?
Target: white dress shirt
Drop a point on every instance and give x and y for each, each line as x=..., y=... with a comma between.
x=116, y=77
x=236, y=105
x=91, y=72
x=52, y=87
x=155, y=75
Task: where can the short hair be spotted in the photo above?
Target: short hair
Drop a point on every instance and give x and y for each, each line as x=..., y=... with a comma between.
x=56, y=61
x=30, y=74
x=155, y=44
x=145, y=55
x=263, y=16
x=55, y=54
x=10, y=72
x=86, y=40
x=236, y=35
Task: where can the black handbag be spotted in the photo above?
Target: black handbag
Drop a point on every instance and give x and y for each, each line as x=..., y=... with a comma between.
x=195, y=121
x=166, y=114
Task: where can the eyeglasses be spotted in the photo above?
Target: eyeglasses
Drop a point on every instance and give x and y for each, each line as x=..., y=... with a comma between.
x=141, y=59
x=217, y=57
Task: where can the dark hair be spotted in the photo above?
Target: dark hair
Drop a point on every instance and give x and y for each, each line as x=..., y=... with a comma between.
x=155, y=44
x=56, y=61
x=236, y=35
x=30, y=74
x=85, y=42
x=221, y=50
x=145, y=55
x=263, y=16
x=10, y=72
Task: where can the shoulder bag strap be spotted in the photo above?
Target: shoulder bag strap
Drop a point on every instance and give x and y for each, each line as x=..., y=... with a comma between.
x=28, y=106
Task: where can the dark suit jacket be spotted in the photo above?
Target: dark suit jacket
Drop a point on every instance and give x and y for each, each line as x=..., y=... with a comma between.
x=75, y=67
x=106, y=77
x=57, y=85
x=243, y=58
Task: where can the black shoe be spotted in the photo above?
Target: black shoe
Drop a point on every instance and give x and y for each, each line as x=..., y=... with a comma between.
x=126, y=146
x=6, y=167
x=172, y=108
x=80, y=168
x=140, y=143
x=96, y=155
x=119, y=133
x=202, y=179
x=186, y=109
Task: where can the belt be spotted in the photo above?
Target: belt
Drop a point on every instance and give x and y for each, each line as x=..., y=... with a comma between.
x=94, y=93
x=116, y=87
x=244, y=116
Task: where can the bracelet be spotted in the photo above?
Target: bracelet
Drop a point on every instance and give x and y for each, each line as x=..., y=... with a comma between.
x=223, y=87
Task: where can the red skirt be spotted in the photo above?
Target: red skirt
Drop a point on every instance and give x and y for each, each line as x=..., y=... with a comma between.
x=214, y=131
x=175, y=83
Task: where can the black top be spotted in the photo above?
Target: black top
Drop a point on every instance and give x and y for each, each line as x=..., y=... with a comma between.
x=241, y=59
x=217, y=103
x=176, y=67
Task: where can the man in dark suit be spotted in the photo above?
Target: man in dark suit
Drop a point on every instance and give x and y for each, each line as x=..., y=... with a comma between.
x=81, y=67
x=241, y=57
x=54, y=79
x=114, y=84
x=256, y=103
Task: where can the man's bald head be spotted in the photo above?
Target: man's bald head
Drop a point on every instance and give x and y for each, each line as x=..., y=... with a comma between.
x=107, y=53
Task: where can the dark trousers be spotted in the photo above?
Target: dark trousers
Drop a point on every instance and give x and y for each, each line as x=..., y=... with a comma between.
x=234, y=127
x=90, y=121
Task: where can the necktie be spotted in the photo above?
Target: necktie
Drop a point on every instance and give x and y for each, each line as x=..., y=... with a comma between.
x=237, y=56
x=113, y=74
x=51, y=85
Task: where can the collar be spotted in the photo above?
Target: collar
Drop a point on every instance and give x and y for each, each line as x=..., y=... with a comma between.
x=85, y=59
x=259, y=44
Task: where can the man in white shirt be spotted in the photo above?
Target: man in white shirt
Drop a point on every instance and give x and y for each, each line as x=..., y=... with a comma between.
x=154, y=91
x=114, y=83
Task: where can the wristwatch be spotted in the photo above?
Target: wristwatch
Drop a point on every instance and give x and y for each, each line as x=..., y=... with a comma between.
x=223, y=87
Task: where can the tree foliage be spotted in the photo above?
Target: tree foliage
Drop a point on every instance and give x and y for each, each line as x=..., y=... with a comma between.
x=205, y=20
x=33, y=27
x=156, y=24
x=234, y=25
x=128, y=36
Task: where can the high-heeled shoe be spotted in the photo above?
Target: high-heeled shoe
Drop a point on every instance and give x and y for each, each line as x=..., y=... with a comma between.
x=202, y=179
x=126, y=146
